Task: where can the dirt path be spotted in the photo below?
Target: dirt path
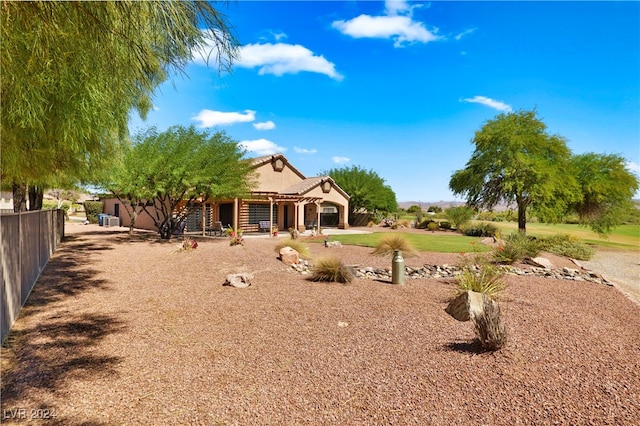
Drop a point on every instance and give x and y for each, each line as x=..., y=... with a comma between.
x=621, y=268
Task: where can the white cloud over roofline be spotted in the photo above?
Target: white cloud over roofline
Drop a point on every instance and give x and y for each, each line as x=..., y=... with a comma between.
x=261, y=146
x=282, y=58
x=209, y=118
x=492, y=103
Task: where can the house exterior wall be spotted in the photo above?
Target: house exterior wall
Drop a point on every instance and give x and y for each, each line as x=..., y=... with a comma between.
x=270, y=180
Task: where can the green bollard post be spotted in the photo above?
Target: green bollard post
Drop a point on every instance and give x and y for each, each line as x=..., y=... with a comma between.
x=397, y=268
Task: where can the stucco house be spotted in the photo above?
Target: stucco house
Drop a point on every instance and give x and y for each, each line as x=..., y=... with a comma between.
x=283, y=198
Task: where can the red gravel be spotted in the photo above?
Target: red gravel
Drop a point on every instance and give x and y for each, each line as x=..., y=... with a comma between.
x=124, y=330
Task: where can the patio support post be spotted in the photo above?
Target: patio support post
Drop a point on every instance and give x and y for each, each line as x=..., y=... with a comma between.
x=235, y=214
x=318, y=216
x=271, y=215
x=204, y=219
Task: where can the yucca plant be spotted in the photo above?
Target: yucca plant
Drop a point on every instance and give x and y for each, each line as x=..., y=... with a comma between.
x=297, y=245
x=331, y=269
x=392, y=242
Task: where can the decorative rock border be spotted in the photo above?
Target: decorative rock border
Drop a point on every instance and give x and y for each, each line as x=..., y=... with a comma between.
x=451, y=271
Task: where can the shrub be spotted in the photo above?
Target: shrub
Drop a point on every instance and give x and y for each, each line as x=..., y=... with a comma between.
x=425, y=224
x=390, y=243
x=459, y=216
x=516, y=247
x=93, y=209
x=481, y=230
x=477, y=274
x=445, y=225
x=433, y=226
x=297, y=245
x=487, y=215
x=568, y=246
x=331, y=269
x=404, y=223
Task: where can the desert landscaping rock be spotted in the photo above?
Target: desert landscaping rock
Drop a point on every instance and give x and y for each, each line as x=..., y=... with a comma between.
x=289, y=256
x=122, y=330
x=239, y=280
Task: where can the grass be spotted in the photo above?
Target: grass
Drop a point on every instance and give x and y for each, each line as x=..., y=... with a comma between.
x=624, y=237
x=438, y=243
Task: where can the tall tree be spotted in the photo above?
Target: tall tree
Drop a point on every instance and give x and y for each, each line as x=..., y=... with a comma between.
x=73, y=71
x=366, y=188
x=517, y=161
x=607, y=190
x=174, y=170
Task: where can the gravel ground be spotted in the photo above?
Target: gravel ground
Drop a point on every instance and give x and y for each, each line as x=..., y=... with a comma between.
x=126, y=331
x=621, y=268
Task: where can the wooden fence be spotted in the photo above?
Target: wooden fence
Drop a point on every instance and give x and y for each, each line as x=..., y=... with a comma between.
x=28, y=240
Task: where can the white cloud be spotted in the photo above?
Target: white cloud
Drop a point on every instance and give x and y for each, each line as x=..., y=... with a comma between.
x=500, y=106
x=304, y=150
x=341, y=160
x=283, y=58
x=634, y=167
x=209, y=118
x=464, y=33
x=397, y=25
x=262, y=147
x=265, y=125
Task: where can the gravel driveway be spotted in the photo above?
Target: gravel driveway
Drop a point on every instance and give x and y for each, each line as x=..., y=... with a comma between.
x=620, y=268
x=127, y=331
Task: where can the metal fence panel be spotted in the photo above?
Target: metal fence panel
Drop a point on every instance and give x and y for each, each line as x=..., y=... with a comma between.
x=27, y=241
x=11, y=282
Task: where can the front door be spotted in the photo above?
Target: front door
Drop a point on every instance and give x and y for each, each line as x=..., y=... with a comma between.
x=226, y=214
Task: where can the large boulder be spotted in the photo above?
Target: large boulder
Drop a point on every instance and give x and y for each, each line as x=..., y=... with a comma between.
x=289, y=256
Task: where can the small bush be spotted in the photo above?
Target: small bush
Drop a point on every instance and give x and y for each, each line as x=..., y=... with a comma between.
x=93, y=209
x=390, y=243
x=459, y=216
x=516, y=247
x=331, y=269
x=568, y=246
x=404, y=223
x=433, y=226
x=425, y=224
x=476, y=274
x=445, y=225
x=297, y=245
x=481, y=230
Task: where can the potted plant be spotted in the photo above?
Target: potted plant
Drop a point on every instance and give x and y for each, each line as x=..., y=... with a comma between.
x=274, y=231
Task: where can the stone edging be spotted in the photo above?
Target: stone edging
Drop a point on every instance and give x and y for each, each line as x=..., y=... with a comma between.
x=451, y=271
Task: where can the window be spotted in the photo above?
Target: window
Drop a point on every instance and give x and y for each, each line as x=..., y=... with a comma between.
x=260, y=212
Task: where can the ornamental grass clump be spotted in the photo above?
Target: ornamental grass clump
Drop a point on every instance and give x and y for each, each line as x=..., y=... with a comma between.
x=516, y=247
x=479, y=275
x=392, y=242
x=331, y=269
x=297, y=245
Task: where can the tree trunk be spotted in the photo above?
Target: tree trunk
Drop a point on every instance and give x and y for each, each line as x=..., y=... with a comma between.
x=522, y=217
x=35, y=197
x=132, y=225
x=19, y=197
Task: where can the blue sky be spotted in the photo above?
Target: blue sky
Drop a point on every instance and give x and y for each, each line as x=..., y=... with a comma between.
x=400, y=87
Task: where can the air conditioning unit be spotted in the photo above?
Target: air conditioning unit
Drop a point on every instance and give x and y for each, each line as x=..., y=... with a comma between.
x=112, y=221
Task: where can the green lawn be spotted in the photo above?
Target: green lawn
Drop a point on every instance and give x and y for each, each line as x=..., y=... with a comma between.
x=625, y=237
x=449, y=243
